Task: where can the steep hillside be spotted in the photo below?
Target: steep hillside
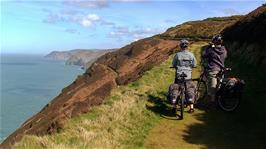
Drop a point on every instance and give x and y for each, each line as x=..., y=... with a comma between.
x=200, y=30
x=246, y=39
x=90, y=89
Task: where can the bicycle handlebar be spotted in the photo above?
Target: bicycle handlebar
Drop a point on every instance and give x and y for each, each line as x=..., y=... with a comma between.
x=227, y=69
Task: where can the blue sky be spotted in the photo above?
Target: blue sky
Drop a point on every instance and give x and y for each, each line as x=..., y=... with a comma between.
x=44, y=26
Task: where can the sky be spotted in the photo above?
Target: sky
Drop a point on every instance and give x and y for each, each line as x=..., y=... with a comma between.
x=39, y=27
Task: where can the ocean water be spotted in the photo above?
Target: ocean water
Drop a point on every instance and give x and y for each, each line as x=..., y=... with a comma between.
x=28, y=83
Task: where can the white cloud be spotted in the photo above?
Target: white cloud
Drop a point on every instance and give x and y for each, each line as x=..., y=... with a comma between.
x=72, y=17
x=96, y=3
x=93, y=17
x=89, y=20
x=86, y=23
x=133, y=34
x=87, y=3
x=130, y=0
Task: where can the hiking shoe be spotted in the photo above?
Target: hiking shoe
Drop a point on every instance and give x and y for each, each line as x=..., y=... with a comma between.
x=191, y=110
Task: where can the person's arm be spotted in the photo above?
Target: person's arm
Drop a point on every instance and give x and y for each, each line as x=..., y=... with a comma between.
x=194, y=61
x=174, y=62
x=225, y=55
x=205, y=53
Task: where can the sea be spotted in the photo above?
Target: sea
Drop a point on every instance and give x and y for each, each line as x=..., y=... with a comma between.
x=28, y=83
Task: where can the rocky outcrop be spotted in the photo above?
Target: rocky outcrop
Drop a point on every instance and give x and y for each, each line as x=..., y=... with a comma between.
x=246, y=39
x=117, y=68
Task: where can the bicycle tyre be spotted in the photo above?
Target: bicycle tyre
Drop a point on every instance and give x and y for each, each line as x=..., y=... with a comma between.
x=201, y=90
x=182, y=106
x=223, y=101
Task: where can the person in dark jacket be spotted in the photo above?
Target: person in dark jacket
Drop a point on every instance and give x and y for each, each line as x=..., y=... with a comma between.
x=215, y=56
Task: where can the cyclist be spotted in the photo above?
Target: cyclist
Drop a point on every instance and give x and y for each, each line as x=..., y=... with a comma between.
x=184, y=61
x=215, y=55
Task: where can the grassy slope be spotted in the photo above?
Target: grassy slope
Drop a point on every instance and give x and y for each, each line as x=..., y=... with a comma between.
x=137, y=116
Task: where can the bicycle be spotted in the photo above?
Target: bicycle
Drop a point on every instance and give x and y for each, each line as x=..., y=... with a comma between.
x=201, y=87
x=228, y=94
x=181, y=99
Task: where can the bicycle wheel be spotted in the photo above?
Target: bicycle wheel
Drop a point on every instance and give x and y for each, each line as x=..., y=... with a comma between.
x=201, y=90
x=182, y=99
x=228, y=102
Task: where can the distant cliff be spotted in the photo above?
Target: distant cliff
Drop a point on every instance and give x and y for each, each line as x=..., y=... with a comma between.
x=79, y=57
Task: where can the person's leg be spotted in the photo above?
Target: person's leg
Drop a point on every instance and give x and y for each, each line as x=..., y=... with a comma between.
x=212, y=82
x=173, y=92
x=191, y=95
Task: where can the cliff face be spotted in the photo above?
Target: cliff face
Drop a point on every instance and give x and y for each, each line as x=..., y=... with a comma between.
x=59, y=55
x=90, y=89
x=246, y=39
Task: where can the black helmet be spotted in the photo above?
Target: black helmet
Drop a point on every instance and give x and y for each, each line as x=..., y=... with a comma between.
x=217, y=39
x=183, y=43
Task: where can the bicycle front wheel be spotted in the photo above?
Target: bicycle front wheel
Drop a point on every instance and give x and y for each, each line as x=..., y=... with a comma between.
x=182, y=99
x=228, y=103
x=201, y=90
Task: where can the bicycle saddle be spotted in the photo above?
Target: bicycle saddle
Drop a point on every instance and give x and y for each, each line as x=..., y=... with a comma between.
x=183, y=75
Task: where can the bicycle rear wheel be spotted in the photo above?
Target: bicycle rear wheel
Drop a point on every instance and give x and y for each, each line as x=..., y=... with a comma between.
x=229, y=102
x=182, y=99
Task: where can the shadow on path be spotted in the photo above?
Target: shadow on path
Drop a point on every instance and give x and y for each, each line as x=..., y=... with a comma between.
x=214, y=129
x=161, y=106
x=244, y=128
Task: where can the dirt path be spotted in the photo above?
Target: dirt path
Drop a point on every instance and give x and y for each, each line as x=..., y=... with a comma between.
x=171, y=133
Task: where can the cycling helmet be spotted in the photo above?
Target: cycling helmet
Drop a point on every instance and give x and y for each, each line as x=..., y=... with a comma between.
x=183, y=43
x=217, y=39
